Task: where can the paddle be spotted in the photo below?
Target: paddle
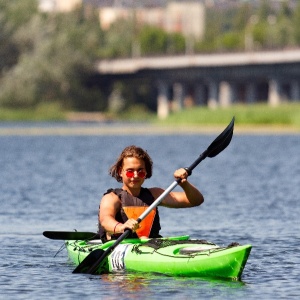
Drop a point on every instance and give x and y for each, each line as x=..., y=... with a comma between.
x=94, y=260
x=69, y=235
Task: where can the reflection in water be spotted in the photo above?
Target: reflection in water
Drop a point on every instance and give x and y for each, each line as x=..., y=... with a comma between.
x=128, y=283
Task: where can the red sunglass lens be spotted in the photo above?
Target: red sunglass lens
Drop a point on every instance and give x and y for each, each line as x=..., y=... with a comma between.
x=141, y=174
x=129, y=174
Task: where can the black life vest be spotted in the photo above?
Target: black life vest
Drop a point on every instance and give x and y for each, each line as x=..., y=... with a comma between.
x=151, y=224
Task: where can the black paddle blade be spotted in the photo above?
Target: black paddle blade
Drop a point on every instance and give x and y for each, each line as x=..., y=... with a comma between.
x=218, y=145
x=222, y=141
x=88, y=262
x=69, y=235
x=98, y=264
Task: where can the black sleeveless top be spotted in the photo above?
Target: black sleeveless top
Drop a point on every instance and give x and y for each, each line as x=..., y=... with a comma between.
x=145, y=198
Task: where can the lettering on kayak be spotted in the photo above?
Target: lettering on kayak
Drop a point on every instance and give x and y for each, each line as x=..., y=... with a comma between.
x=117, y=257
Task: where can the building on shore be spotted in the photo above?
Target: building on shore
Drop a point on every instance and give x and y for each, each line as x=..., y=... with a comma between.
x=185, y=17
x=59, y=5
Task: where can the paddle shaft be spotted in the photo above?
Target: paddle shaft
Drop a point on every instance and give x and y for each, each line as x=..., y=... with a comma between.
x=170, y=188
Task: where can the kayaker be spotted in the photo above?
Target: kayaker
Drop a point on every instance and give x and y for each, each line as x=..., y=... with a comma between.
x=120, y=207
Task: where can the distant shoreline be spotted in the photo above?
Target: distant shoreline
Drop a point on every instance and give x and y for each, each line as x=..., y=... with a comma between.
x=140, y=129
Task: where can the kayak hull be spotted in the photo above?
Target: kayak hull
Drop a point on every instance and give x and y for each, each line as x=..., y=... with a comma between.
x=176, y=256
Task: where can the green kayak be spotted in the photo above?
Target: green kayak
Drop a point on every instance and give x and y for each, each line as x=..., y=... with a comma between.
x=174, y=256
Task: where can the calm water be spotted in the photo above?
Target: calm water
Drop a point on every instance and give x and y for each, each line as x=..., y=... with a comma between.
x=252, y=194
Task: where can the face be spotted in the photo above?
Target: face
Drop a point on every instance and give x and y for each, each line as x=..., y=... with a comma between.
x=133, y=172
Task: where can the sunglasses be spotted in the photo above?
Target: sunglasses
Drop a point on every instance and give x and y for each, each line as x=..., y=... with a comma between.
x=140, y=173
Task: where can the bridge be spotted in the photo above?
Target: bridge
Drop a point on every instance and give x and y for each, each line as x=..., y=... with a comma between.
x=211, y=79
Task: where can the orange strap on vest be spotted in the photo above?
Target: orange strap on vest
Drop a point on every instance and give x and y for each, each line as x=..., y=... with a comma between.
x=133, y=212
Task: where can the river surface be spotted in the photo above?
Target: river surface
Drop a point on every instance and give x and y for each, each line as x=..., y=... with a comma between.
x=55, y=181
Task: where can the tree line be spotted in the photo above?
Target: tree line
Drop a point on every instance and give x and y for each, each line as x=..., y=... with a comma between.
x=49, y=57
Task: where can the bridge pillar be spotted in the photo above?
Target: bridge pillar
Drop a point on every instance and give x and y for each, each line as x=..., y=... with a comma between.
x=234, y=92
x=274, y=92
x=178, y=96
x=200, y=96
x=212, y=94
x=226, y=94
x=295, y=90
x=250, y=92
x=162, y=100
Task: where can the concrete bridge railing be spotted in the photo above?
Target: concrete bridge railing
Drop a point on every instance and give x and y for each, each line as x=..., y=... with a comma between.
x=213, y=79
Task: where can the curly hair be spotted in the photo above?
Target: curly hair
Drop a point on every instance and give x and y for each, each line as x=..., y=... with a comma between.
x=131, y=151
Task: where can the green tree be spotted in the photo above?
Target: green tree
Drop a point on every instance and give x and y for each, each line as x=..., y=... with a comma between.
x=264, y=10
x=153, y=40
x=175, y=43
x=56, y=56
x=241, y=17
x=296, y=24
x=232, y=41
x=118, y=40
x=8, y=48
x=13, y=15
